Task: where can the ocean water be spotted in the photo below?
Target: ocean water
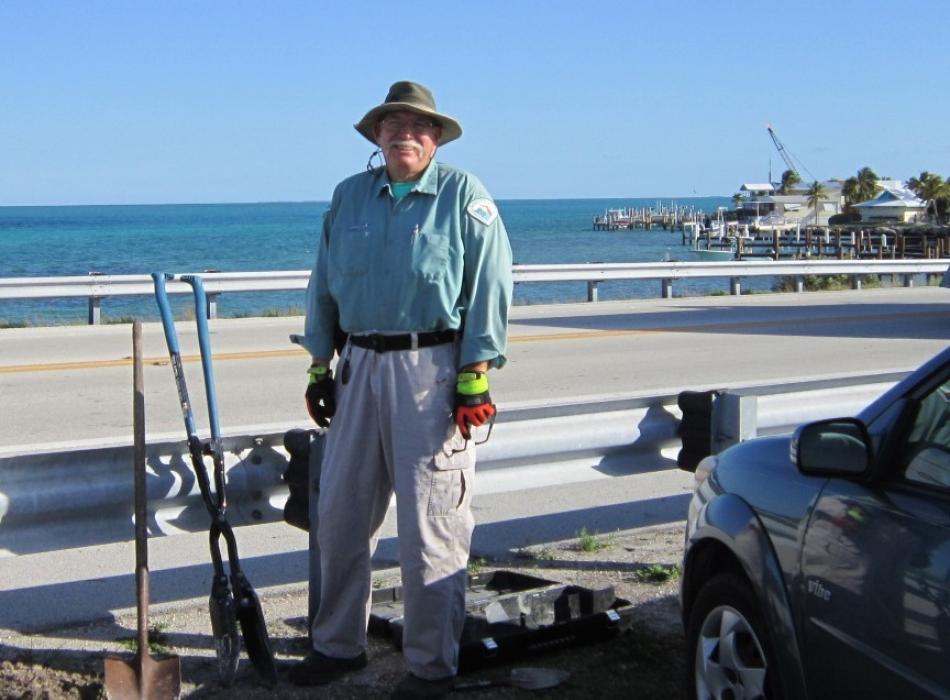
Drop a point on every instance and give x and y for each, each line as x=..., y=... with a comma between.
x=139, y=239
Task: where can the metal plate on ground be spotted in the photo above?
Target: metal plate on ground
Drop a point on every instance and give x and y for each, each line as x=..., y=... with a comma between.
x=509, y=616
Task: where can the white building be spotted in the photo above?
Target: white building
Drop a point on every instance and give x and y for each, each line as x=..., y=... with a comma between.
x=894, y=203
x=765, y=208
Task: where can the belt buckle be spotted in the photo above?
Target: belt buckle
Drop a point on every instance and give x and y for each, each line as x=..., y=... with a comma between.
x=377, y=342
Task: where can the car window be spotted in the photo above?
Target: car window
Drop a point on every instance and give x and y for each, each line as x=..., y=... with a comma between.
x=928, y=443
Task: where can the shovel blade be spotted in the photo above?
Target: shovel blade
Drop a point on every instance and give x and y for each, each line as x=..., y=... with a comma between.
x=227, y=644
x=254, y=629
x=144, y=678
x=526, y=678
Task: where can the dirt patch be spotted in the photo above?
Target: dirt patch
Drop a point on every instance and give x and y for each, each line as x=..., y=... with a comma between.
x=645, y=660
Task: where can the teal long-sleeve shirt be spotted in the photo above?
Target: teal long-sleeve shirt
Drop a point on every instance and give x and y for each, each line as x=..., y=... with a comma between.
x=439, y=258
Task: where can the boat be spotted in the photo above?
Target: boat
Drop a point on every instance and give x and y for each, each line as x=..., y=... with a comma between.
x=713, y=254
x=614, y=219
x=719, y=230
x=691, y=232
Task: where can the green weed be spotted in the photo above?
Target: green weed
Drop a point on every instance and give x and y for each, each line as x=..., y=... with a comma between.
x=289, y=311
x=826, y=283
x=657, y=573
x=476, y=565
x=269, y=313
x=157, y=640
x=590, y=542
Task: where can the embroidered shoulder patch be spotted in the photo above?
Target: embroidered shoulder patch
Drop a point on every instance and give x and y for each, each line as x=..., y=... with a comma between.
x=483, y=211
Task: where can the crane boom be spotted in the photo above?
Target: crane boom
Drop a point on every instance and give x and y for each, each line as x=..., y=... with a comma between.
x=787, y=155
x=780, y=147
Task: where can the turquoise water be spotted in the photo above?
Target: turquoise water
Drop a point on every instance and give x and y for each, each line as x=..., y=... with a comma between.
x=138, y=239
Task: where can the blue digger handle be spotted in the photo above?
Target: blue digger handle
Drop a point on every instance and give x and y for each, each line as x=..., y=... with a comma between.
x=174, y=351
x=204, y=344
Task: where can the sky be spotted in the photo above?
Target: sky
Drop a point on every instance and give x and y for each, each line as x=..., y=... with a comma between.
x=148, y=101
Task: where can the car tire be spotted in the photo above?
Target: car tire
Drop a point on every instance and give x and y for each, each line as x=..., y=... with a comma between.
x=727, y=644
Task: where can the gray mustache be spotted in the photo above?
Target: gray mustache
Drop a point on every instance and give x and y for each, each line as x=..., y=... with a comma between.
x=407, y=143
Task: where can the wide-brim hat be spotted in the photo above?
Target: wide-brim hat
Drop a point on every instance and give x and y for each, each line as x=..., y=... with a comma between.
x=409, y=97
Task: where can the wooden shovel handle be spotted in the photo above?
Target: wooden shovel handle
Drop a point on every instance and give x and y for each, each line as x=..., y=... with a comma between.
x=141, y=530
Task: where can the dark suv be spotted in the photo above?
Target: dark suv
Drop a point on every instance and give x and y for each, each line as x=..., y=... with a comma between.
x=818, y=566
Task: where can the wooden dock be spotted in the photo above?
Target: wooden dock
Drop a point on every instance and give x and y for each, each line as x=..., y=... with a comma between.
x=668, y=218
x=921, y=242
x=850, y=242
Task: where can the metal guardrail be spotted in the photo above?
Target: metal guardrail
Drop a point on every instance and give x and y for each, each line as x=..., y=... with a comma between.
x=668, y=272
x=96, y=287
x=63, y=498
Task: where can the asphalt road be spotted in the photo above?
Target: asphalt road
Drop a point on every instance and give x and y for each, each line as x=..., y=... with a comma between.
x=74, y=384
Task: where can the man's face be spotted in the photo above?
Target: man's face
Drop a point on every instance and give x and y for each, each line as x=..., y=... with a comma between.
x=408, y=141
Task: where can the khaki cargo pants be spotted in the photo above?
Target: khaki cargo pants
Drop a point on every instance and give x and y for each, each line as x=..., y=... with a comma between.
x=393, y=432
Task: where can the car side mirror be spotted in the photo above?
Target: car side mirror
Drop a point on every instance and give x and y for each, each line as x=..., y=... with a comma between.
x=835, y=447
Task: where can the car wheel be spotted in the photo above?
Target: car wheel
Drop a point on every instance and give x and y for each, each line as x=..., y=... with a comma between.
x=728, y=645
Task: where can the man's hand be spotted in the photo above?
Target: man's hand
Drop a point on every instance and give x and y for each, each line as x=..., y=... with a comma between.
x=321, y=395
x=473, y=405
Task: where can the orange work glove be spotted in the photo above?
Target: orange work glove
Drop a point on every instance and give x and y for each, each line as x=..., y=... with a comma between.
x=473, y=405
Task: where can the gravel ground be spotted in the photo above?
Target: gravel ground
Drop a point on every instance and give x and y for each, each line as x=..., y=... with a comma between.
x=644, y=661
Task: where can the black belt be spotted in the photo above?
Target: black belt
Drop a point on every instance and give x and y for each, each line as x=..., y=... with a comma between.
x=406, y=341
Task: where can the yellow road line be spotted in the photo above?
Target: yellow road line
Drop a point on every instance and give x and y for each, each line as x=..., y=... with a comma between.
x=127, y=361
x=573, y=335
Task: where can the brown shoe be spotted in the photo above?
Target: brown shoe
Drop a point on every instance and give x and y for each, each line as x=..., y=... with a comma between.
x=320, y=669
x=412, y=687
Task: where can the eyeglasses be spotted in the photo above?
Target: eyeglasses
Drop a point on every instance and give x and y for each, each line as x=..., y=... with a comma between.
x=397, y=125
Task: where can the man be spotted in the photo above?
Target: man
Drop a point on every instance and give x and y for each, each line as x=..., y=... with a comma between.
x=414, y=266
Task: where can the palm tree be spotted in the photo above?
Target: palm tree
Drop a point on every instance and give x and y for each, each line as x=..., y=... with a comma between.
x=816, y=193
x=790, y=178
x=850, y=191
x=737, y=199
x=931, y=188
x=867, y=184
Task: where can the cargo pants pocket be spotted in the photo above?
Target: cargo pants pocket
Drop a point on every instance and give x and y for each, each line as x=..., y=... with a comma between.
x=452, y=471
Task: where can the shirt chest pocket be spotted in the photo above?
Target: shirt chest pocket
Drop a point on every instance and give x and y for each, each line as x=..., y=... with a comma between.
x=350, y=249
x=430, y=255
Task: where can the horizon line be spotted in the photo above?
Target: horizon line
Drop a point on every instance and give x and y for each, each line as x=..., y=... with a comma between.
x=326, y=201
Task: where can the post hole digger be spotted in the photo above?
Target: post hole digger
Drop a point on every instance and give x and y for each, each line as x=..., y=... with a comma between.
x=233, y=600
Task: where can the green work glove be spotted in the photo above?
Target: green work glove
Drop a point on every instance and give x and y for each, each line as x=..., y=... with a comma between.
x=321, y=395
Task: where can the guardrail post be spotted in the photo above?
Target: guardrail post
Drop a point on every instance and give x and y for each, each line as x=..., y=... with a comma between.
x=734, y=419
x=95, y=312
x=591, y=290
x=666, y=288
x=799, y=283
x=212, y=310
x=855, y=281
x=735, y=286
x=908, y=280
